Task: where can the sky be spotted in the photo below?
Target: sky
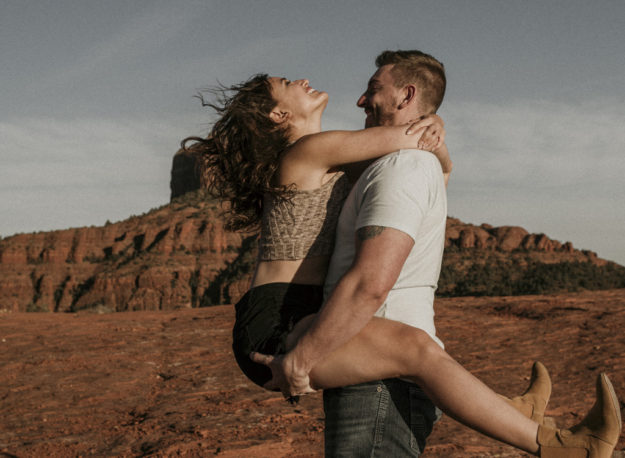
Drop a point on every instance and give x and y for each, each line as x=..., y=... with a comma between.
x=95, y=97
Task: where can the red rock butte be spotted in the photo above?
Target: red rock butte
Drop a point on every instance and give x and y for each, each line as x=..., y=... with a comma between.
x=180, y=256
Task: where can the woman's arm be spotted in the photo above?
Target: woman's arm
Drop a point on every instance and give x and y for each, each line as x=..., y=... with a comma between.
x=327, y=150
x=354, y=150
x=443, y=156
x=355, y=169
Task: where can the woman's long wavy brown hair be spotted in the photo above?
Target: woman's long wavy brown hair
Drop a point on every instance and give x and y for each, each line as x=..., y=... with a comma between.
x=240, y=156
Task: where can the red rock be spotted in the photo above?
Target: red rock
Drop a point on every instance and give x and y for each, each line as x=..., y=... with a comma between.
x=483, y=239
x=467, y=239
x=509, y=238
x=185, y=176
x=127, y=265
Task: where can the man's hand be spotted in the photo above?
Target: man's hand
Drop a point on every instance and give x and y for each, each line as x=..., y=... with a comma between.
x=286, y=377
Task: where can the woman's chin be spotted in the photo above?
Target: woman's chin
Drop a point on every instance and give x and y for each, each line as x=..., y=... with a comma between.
x=324, y=97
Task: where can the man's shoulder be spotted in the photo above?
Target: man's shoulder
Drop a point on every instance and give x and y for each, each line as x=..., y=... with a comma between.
x=416, y=157
x=402, y=162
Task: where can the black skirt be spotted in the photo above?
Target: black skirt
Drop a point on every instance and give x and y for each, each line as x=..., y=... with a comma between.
x=265, y=316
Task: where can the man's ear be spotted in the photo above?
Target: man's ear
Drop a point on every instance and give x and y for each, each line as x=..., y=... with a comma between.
x=408, y=96
x=278, y=116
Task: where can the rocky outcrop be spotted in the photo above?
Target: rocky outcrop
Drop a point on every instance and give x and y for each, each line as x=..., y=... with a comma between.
x=180, y=256
x=185, y=172
x=510, y=239
x=508, y=260
x=165, y=259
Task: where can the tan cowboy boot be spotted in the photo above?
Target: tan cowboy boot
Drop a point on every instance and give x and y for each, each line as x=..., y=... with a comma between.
x=594, y=437
x=534, y=401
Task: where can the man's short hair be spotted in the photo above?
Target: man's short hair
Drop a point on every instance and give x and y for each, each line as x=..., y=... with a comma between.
x=418, y=68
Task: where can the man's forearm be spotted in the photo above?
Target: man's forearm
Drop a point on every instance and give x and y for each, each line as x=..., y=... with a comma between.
x=380, y=255
x=345, y=314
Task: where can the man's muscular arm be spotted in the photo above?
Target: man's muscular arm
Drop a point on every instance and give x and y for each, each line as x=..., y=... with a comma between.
x=380, y=256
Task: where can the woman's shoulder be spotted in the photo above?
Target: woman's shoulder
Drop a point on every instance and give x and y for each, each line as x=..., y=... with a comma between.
x=298, y=171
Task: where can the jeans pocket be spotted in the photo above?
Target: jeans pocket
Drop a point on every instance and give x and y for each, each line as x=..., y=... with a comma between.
x=363, y=389
x=355, y=419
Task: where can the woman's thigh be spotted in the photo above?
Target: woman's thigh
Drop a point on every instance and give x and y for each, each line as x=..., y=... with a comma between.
x=300, y=328
x=382, y=349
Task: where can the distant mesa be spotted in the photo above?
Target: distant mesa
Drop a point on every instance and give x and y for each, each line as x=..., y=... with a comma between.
x=180, y=256
x=508, y=260
x=185, y=173
x=509, y=239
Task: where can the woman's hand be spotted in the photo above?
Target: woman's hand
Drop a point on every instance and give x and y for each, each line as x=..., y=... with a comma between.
x=432, y=132
x=286, y=377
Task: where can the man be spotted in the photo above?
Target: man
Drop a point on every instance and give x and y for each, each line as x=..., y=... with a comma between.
x=392, y=417
x=397, y=210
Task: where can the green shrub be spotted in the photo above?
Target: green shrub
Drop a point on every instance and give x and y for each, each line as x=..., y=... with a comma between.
x=497, y=277
x=36, y=308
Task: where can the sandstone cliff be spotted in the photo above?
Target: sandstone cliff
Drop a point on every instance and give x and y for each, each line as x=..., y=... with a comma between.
x=180, y=256
x=164, y=259
x=508, y=260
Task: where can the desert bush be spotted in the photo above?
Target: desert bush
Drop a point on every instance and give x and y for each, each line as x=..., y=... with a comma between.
x=37, y=308
x=498, y=277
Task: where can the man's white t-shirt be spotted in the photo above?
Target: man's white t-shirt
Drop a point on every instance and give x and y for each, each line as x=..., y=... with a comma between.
x=404, y=190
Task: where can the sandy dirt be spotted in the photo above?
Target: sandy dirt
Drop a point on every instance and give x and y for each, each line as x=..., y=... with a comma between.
x=165, y=383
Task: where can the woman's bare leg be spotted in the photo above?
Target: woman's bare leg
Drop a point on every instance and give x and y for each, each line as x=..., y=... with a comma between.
x=386, y=349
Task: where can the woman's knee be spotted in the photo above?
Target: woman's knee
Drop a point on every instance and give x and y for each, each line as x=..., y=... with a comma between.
x=419, y=346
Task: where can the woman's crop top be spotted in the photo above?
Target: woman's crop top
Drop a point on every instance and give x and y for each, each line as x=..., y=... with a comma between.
x=305, y=224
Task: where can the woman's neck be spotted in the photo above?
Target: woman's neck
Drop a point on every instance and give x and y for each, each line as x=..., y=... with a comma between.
x=301, y=128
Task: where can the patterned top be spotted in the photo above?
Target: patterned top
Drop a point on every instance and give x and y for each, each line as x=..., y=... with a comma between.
x=304, y=225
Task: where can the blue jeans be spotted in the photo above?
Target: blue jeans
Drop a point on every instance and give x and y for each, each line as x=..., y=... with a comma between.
x=388, y=418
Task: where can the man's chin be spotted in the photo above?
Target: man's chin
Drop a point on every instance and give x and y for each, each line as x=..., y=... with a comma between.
x=370, y=122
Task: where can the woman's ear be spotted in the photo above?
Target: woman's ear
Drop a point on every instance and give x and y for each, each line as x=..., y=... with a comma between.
x=408, y=94
x=278, y=116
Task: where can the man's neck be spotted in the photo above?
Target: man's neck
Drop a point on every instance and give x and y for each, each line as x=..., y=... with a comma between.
x=406, y=116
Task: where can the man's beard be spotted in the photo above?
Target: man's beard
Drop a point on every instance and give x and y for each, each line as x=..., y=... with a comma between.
x=377, y=119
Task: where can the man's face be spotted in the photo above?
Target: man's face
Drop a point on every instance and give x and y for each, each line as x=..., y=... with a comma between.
x=381, y=99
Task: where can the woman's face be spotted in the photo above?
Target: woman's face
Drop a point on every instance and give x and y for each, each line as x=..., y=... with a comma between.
x=297, y=98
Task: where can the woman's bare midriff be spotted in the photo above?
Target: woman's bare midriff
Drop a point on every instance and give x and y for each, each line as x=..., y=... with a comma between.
x=309, y=271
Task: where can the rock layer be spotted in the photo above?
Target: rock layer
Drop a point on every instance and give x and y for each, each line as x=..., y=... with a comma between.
x=164, y=259
x=180, y=256
x=512, y=238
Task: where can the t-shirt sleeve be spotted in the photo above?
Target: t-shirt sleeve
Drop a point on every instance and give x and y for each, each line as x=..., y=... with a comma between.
x=396, y=196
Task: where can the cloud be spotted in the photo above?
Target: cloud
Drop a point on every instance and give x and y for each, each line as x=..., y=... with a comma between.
x=49, y=151
x=538, y=144
x=125, y=48
x=59, y=173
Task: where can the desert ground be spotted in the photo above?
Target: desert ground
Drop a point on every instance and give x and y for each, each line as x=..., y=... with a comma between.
x=166, y=384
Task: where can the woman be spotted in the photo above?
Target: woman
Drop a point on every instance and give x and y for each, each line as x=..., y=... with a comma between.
x=268, y=157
